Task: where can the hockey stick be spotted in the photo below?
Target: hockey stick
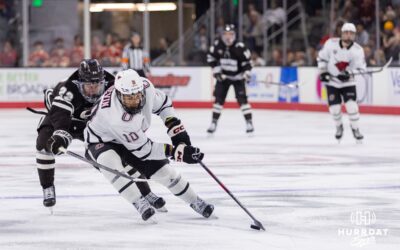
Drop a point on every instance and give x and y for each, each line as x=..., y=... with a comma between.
x=256, y=224
x=36, y=111
x=372, y=71
x=289, y=85
x=98, y=165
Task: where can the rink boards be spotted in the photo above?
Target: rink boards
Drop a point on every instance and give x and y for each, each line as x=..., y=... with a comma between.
x=192, y=87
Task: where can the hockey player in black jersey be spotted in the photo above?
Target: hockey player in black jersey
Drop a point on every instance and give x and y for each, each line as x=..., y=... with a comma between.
x=230, y=61
x=69, y=105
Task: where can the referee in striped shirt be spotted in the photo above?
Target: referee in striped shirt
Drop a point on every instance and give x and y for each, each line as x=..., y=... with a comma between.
x=134, y=57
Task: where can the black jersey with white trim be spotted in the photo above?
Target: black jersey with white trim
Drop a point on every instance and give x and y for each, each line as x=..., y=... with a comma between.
x=65, y=103
x=231, y=61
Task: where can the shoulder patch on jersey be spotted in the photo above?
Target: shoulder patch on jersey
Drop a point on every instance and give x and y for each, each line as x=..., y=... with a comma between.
x=146, y=83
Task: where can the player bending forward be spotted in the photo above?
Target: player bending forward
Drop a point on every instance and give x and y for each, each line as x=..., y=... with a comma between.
x=69, y=105
x=338, y=60
x=116, y=133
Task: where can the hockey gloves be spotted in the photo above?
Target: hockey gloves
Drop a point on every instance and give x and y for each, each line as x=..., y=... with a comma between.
x=324, y=77
x=219, y=76
x=344, y=76
x=177, y=131
x=60, y=138
x=247, y=76
x=183, y=153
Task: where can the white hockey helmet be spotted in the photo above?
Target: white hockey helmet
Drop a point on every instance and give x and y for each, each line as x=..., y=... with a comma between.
x=348, y=27
x=130, y=91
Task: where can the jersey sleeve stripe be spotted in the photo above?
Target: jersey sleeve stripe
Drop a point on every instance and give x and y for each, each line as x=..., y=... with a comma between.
x=169, y=106
x=165, y=101
x=93, y=133
x=63, y=106
x=145, y=156
x=140, y=148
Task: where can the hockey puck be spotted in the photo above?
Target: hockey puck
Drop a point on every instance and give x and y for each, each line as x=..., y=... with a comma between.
x=255, y=227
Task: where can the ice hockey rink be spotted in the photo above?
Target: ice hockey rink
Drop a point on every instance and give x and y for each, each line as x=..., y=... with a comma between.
x=308, y=191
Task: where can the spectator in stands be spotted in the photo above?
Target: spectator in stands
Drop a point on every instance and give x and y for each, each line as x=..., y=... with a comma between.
x=38, y=57
x=369, y=57
x=97, y=47
x=200, y=40
x=256, y=60
x=290, y=58
x=299, y=59
x=350, y=12
x=251, y=10
x=8, y=56
x=388, y=37
x=362, y=36
x=77, y=53
x=59, y=56
x=198, y=56
x=276, y=58
x=161, y=48
x=253, y=34
x=111, y=54
x=379, y=57
x=220, y=27
x=313, y=54
x=367, y=12
x=390, y=14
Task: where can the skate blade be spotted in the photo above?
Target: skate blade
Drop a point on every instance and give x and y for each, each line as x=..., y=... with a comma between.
x=51, y=210
x=359, y=141
x=212, y=217
x=152, y=220
x=210, y=135
x=250, y=134
x=162, y=210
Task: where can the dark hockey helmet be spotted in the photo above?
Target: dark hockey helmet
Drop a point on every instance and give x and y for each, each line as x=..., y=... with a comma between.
x=130, y=91
x=229, y=34
x=91, y=82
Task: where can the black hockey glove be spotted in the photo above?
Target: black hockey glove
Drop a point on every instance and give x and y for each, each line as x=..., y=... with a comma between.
x=188, y=154
x=60, y=138
x=324, y=77
x=219, y=76
x=344, y=76
x=247, y=76
x=177, y=131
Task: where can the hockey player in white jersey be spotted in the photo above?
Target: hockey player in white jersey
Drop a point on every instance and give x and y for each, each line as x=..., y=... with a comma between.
x=338, y=60
x=116, y=134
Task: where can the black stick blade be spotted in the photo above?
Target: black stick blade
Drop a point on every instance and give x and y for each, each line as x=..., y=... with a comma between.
x=257, y=226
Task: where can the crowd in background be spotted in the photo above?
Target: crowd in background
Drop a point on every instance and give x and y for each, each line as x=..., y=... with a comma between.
x=108, y=48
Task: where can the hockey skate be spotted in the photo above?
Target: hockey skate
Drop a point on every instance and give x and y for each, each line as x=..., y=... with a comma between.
x=249, y=127
x=357, y=135
x=144, y=208
x=339, y=132
x=49, y=198
x=156, y=202
x=212, y=128
x=202, y=207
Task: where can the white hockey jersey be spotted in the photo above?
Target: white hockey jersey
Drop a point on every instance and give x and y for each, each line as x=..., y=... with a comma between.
x=111, y=123
x=334, y=58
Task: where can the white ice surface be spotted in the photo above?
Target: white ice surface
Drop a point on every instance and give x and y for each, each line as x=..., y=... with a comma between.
x=292, y=175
